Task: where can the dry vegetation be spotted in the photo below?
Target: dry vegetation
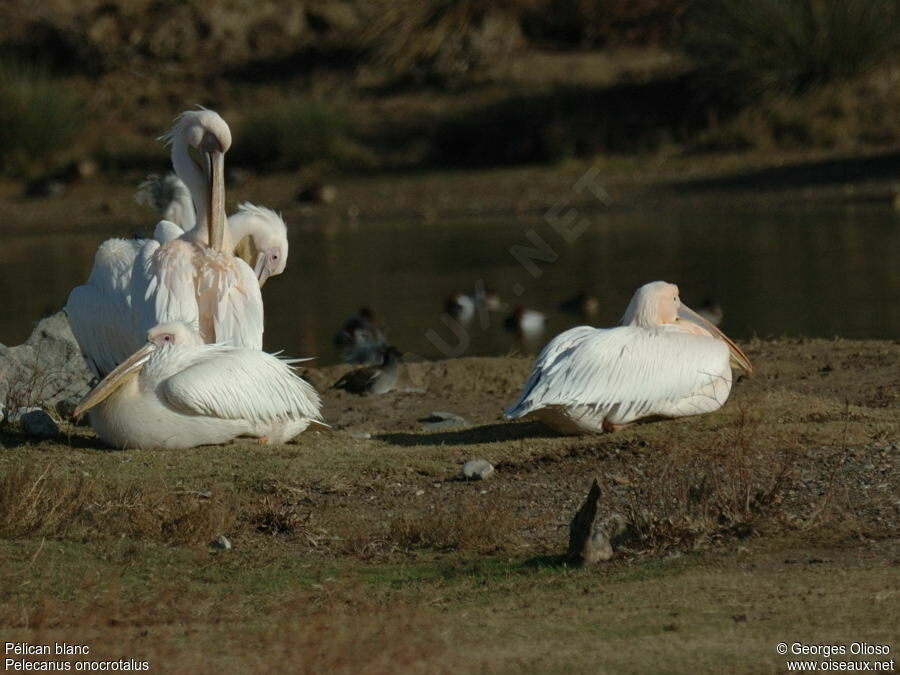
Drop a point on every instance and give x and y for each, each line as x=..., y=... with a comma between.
x=772, y=519
x=361, y=86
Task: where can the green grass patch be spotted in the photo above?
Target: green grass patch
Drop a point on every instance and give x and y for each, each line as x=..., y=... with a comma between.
x=296, y=134
x=39, y=119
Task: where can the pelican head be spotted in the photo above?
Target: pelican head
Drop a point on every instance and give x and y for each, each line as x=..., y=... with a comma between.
x=261, y=237
x=160, y=337
x=658, y=303
x=206, y=132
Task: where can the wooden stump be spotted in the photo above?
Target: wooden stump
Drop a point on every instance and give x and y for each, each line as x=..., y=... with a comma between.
x=591, y=542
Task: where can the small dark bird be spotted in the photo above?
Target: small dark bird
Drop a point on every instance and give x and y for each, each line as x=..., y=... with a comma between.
x=361, y=339
x=582, y=304
x=373, y=379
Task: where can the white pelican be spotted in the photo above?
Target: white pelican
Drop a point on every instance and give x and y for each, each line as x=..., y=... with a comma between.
x=663, y=360
x=259, y=234
x=136, y=285
x=178, y=392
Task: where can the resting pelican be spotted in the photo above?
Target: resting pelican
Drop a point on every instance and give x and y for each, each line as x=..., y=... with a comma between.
x=259, y=234
x=663, y=360
x=136, y=285
x=178, y=392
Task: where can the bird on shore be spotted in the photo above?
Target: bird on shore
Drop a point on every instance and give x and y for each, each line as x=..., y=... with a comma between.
x=462, y=306
x=582, y=304
x=528, y=323
x=361, y=340
x=663, y=360
x=373, y=379
x=136, y=284
x=178, y=392
x=259, y=233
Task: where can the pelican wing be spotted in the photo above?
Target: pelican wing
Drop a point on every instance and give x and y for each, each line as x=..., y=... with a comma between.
x=100, y=311
x=232, y=383
x=163, y=285
x=627, y=372
x=229, y=298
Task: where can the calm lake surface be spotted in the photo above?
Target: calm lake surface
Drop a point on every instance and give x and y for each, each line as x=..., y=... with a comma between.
x=816, y=272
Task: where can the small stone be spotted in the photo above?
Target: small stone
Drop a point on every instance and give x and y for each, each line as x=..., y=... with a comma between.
x=39, y=424
x=419, y=493
x=440, y=421
x=477, y=469
x=221, y=543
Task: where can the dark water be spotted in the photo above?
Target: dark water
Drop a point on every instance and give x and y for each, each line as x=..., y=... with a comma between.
x=823, y=272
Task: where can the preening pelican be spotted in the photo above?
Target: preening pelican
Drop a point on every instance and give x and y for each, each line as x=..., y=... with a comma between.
x=663, y=360
x=193, y=278
x=259, y=234
x=177, y=392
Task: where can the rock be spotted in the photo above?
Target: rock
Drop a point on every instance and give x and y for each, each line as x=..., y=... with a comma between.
x=477, y=469
x=39, y=424
x=46, y=369
x=14, y=415
x=440, y=421
x=591, y=542
x=220, y=543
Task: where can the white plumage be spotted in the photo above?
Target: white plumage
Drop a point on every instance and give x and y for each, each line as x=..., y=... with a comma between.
x=100, y=311
x=178, y=392
x=259, y=234
x=665, y=361
x=192, y=278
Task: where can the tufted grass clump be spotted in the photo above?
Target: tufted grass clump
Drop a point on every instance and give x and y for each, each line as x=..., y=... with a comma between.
x=763, y=47
x=294, y=135
x=39, y=119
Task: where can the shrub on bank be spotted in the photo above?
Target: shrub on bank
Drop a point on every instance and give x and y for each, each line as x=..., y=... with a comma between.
x=39, y=119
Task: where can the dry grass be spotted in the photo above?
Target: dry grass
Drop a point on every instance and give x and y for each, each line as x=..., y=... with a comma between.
x=38, y=499
x=371, y=556
x=475, y=525
x=700, y=494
